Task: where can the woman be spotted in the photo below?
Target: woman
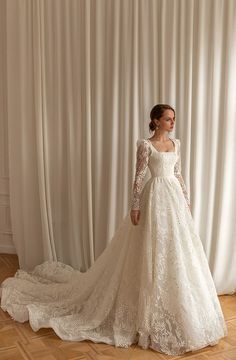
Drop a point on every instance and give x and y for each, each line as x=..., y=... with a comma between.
x=151, y=285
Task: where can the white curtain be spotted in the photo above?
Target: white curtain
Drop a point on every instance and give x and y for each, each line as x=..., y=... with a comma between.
x=82, y=77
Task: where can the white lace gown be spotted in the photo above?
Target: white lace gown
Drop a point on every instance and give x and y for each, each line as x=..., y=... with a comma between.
x=151, y=285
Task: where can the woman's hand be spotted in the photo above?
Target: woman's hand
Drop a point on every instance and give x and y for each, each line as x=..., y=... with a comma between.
x=135, y=216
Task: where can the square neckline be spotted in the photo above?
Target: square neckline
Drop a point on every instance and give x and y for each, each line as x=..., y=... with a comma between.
x=164, y=152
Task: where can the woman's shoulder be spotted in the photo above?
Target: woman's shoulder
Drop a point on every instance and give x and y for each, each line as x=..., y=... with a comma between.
x=177, y=141
x=143, y=146
x=142, y=142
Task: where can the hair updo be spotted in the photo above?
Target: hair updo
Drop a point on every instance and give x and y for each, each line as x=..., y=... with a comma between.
x=156, y=113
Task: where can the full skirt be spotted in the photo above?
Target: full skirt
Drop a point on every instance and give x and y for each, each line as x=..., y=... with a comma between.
x=152, y=284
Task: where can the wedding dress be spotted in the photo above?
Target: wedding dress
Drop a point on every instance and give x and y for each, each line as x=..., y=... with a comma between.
x=151, y=286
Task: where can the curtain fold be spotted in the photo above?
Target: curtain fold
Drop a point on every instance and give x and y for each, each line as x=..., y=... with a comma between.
x=82, y=77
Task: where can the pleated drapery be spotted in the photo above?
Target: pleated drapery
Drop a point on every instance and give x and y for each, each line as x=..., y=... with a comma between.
x=82, y=77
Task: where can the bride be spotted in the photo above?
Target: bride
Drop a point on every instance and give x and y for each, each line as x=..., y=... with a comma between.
x=151, y=285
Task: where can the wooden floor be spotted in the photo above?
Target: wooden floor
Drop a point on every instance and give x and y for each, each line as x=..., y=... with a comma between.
x=18, y=341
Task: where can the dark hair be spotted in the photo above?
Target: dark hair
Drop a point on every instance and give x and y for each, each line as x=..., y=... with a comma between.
x=156, y=113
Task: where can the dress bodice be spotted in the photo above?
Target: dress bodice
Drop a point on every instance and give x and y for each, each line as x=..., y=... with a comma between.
x=162, y=163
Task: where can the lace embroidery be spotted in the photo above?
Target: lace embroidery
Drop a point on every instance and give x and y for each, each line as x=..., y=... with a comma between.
x=178, y=174
x=142, y=157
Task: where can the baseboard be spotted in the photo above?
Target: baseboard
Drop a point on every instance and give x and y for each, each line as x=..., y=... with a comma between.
x=7, y=249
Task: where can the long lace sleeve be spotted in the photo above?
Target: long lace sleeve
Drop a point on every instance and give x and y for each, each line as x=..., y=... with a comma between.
x=142, y=157
x=178, y=174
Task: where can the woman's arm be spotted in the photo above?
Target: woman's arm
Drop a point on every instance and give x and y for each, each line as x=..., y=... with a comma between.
x=142, y=158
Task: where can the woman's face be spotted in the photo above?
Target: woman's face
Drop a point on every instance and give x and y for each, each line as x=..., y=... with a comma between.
x=167, y=121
